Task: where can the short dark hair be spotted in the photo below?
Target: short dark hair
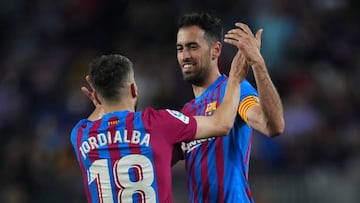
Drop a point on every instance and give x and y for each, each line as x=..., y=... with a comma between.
x=109, y=73
x=211, y=25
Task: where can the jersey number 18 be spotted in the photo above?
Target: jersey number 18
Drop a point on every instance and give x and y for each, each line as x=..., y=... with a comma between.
x=99, y=172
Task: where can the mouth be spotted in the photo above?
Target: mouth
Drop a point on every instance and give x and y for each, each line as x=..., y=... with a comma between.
x=187, y=67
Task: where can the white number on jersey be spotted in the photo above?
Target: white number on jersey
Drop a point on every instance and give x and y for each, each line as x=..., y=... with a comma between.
x=99, y=172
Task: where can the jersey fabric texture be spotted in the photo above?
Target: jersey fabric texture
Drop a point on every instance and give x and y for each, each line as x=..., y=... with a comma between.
x=126, y=156
x=217, y=168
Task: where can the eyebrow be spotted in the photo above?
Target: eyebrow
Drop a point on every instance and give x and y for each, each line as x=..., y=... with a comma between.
x=188, y=44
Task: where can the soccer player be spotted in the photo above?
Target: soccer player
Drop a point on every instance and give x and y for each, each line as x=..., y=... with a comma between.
x=124, y=155
x=217, y=168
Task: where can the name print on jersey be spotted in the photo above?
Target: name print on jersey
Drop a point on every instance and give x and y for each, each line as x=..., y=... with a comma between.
x=189, y=146
x=102, y=139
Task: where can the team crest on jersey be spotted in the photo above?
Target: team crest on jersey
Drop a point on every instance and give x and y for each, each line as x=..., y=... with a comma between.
x=179, y=116
x=210, y=108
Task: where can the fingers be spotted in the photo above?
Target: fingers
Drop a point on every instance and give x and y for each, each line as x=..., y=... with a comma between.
x=231, y=40
x=258, y=37
x=88, y=80
x=245, y=28
x=86, y=91
x=259, y=34
x=236, y=34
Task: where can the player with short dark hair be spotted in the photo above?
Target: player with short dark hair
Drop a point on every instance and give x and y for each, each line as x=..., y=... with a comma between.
x=124, y=155
x=217, y=168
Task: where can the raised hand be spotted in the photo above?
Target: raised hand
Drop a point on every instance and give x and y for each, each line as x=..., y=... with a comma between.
x=239, y=67
x=243, y=38
x=90, y=94
x=99, y=109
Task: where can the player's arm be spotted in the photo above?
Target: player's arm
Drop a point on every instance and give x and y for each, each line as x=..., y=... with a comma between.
x=267, y=117
x=221, y=122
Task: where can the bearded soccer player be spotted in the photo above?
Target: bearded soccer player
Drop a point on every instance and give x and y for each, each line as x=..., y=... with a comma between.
x=217, y=168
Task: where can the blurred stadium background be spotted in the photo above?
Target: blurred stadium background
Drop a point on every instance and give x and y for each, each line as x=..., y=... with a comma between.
x=312, y=49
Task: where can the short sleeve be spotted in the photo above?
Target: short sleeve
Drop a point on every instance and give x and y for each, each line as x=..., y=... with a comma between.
x=248, y=99
x=173, y=125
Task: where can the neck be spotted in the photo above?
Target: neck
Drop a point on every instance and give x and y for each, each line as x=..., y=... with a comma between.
x=121, y=106
x=199, y=89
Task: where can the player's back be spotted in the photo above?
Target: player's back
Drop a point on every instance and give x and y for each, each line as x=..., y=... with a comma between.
x=125, y=156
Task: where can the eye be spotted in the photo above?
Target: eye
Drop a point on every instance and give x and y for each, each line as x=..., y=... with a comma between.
x=179, y=49
x=193, y=46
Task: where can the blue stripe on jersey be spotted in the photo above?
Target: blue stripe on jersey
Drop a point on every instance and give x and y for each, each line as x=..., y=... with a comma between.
x=147, y=151
x=74, y=135
x=189, y=175
x=212, y=173
x=247, y=90
x=198, y=172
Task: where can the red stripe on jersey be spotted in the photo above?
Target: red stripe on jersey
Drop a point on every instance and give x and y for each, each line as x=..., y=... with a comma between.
x=204, y=171
x=82, y=167
x=134, y=148
x=219, y=154
x=113, y=148
x=248, y=193
x=94, y=153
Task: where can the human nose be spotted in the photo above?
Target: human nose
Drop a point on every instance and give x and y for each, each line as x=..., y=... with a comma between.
x=185, y=54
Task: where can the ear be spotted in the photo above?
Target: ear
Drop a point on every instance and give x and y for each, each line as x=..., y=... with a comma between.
x=133, y=88
x=216, y=50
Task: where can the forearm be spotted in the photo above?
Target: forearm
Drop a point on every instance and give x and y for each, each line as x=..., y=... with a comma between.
x=270, y=101
x=227, y=110
x=221, y=122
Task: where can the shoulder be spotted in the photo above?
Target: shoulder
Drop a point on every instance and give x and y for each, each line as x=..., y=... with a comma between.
x=159, y=118
x=247, y=89
x=79, y=126
x=164, y=114
x=187, y=106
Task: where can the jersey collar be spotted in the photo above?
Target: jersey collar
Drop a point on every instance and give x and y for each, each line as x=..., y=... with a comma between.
x=211, y=87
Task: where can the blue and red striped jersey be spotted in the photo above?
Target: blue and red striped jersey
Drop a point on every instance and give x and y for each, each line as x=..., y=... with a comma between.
x=217, y=168
x=126, y=156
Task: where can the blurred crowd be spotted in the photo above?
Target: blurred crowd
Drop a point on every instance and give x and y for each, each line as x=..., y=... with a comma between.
x=312, y=49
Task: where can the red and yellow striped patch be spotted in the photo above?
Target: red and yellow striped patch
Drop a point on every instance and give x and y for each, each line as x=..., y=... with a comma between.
x=113, y=122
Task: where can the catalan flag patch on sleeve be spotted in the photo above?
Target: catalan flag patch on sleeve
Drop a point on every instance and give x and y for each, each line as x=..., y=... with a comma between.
x=245, y=105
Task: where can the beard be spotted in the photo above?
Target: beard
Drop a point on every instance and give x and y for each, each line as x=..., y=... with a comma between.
x=199, y=74
x=196, y=77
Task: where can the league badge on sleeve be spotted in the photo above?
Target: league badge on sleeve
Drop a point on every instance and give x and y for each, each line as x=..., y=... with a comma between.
x=179, y=116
